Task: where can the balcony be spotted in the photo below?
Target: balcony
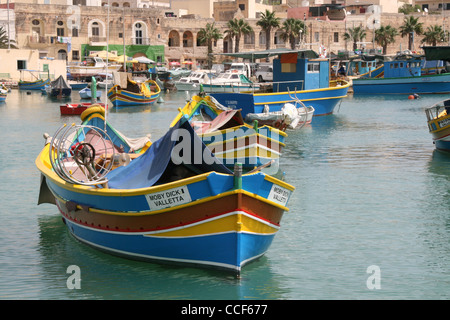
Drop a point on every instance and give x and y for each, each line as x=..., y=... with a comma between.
x=97, y=41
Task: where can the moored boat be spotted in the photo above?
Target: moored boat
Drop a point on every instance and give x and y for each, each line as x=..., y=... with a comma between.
x=298, y=75
x=162, y=204
x=77, y=108
x=59, y=88
x=126, y=92
x=404, y=74
x=438, y=119
x=33, y=85
x=86, y=93
x=229, y=138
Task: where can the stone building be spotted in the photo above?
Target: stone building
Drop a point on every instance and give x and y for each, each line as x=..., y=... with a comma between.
x=144, y=28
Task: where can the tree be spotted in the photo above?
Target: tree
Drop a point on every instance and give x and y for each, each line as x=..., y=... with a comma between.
x=385, y=35
x=292, y=29
x=408, y=8
x=433, y=35
x=356, y=34
x=4, y=39
x=207, y=35
x=410, y=26
x=267, y=22
x=236, y=28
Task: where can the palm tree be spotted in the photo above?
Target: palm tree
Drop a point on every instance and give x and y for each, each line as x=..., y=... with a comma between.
x=267, y=22
x=207, y=35
x=410, y=26
x=433, y=35
x=236, y=28
x=4, y=39
x=292, y=29
x=385, y=35
x=356, y=35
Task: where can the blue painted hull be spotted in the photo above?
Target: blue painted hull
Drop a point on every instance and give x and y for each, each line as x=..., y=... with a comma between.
x=324, y=101
x=33, y=85
x=406, y=85
x=241, y=248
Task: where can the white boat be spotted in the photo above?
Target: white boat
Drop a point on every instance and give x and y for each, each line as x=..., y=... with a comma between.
x=193, y=81
x=291, y=116
x=230, y=81
x=92, y=67
x=108, y=81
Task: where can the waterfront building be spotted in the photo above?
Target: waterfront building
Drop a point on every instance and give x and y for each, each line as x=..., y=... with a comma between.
x=167, y=31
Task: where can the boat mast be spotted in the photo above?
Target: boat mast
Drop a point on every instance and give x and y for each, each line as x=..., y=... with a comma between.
x=107, y=62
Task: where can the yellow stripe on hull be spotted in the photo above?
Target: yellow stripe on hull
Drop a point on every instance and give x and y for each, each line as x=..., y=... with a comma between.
x=236, y=221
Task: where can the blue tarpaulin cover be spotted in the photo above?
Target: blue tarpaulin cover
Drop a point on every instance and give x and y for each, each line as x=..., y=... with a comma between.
x=146, y=170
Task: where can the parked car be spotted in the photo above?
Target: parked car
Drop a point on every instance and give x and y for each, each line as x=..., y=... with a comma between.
x=264, y=73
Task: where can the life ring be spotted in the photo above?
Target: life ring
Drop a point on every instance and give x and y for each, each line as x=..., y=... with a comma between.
x=91, y=110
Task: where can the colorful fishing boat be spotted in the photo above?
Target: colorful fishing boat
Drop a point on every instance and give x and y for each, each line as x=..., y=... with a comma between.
x=163, y=204
x=229, y=138
x=404, y=74
x=298, y=75
x=33, y=85
x=438, y=118
x=126, y=92
x=77, y=108
x=3, y=97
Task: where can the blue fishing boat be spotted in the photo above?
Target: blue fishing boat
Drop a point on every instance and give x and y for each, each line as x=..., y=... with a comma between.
x=3, y=97
x=229, y=138
x=37, y=84
x=163, y=204
x=86, y=93
x=298, y=75
x=33, y=85
x=126, y=92
x=404, y=74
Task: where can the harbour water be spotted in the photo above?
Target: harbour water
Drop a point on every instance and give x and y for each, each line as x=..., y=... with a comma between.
x=369, y=219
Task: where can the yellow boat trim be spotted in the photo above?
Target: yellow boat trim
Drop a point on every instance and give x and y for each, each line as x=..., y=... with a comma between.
x=442, y=116
x=236, y=221
x=255, y=135
x=43, y=164
x=192, y=105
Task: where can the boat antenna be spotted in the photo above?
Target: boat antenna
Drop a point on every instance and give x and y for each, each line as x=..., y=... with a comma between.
x=107, y=62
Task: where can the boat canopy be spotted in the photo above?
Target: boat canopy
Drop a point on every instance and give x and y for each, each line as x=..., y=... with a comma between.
x=174, y=156
x=60, y=83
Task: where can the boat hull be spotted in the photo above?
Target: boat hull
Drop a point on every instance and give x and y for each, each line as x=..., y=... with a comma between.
x=76, y=109
x=323, y=101
x=408, y=85
x=212, y=88
x=221, y=229
x=33, y=85
x=123, y=98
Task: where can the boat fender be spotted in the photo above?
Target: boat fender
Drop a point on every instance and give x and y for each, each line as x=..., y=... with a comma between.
x=91, y=110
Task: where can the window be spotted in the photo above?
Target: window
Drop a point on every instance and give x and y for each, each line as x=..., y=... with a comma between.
x=313, y=67
x=75, y=55
x=288, y=67
x=21, y=64
x=35, y=22
x=336, y=37
x=138, y=33
x=95, y=29
x=60, y=29
x=75, y=32
x=242, y=7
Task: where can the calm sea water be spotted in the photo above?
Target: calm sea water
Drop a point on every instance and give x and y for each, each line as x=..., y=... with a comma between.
x=371, y=194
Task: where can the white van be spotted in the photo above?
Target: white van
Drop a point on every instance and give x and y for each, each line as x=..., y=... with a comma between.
x=264, y=73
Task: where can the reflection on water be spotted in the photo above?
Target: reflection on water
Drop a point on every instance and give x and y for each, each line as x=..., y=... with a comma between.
x=370, y=190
